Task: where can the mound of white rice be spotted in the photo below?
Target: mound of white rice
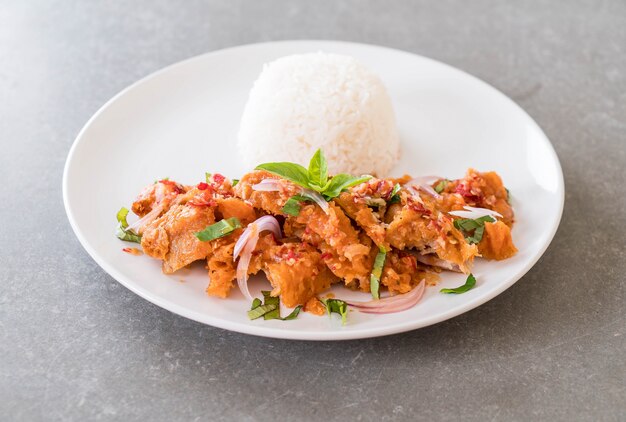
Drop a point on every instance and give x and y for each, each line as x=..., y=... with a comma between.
x=304, y=102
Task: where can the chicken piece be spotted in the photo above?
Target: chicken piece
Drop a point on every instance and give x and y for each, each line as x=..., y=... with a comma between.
x=484, y=190
x=222, y=268
x=161, y=192
x=366, y=204
x=416, y=223
x=497, y=242
x=171, y=236
x=270, y=202
x=345, y=252
x=402, y=272
x=297, y=272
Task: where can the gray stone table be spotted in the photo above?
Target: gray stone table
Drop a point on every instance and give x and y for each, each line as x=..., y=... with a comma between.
x=76, y=345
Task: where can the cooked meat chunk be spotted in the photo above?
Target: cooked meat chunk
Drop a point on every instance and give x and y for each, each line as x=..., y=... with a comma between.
x=296, y=272
x=346, y=254
x=484, y=190
x=366, y=205
x=171, y=236
x=161, y=192
x=402, y=272
x=417, y=224
x=270, y=202
x=497, y=242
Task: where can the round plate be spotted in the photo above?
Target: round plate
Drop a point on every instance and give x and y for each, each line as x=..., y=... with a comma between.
x=183, y=120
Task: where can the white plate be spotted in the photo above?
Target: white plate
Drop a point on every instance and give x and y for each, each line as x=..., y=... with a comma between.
x=182, y=121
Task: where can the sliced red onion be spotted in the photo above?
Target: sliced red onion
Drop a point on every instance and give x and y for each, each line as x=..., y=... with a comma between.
x=267, y=222
x=317, y=198
x=244, y=263
x=424, y=183
x=433, y=261
x=391, y=304
x=474, y=213
x=267, y=185
x=273, y=185
x=139, y=225
x=245, y=246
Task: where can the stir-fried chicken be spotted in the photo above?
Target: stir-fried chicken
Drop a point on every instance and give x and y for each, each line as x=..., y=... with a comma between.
x=413, y=229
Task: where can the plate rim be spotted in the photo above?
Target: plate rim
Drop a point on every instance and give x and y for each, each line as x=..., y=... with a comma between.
x=317, y=335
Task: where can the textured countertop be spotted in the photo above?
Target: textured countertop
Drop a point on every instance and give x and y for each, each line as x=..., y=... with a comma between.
x=76, y=345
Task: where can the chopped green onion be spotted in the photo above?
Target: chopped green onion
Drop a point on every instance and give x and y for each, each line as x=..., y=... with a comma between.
x=219, y=229
x=337, y=306
x=377, y=272
x=441, y=186
x=469, y=283
x=477, y=226
x=121, y=232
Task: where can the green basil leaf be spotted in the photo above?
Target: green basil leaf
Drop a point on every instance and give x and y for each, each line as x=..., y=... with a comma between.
x=219, y=229
x=293, y=314
x=290, y=171
x=469, y=283
x=318, y=171
x=256, y=303
x=473, y=230
x=377, y=272
x=261, y=310
x=121, y=232
x=235, y=181
x=441, y=186
x=292, y=206
x=268, y=299
x=207, y=177
x=337, y=306
x=340, y=182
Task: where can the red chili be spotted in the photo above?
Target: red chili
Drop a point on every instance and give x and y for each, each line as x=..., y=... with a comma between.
x=326, y=256
x=418, y=207
x=218, y=178
x=203, y=186
x=465, y=192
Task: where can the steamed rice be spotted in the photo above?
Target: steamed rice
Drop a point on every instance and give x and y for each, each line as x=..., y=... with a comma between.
x=304, y=102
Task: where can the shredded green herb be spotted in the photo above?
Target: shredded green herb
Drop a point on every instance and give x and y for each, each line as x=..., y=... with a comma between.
x=469, y=283
x=121, y=232
x=219, y=229
x=270, y=309
x=315, y=177
x=292, y=206
x=261, y=310
x=473, y=230
x=256, y=303
x=441, y=185
x=235, y=181
x=207, y=177
x=337, y=306
x=377, y=272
